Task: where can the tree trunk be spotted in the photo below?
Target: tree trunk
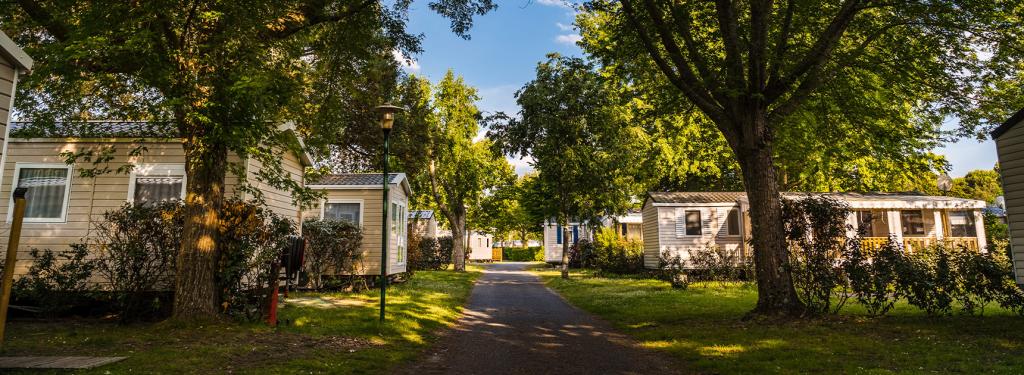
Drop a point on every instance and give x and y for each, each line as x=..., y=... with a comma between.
x=196, y=294
x=565, y=249
x=458, y=222
x=776, y=294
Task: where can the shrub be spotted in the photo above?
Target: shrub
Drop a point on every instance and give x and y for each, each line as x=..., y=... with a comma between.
x=58, y=281
x=714, y=263
x=581, y=254
x=332, y=247
x=252, y=237
x=873, y=280
x=429, y=255
x=816, y=233
x=523, y=254
x=615, y=255
x=447, y=245
x=672, y=268
x=137, y=245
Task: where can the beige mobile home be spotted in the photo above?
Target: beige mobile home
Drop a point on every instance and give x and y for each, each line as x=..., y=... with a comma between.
x=62, y=204
x=480, y=245
x=679, y=222
x=1009, y=139
x=13, y=61
x=423, y=223
x=628, y=227
x=358, y=197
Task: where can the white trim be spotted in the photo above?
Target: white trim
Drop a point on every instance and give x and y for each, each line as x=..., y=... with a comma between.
x=156, y=169
x=67, y=191
x=98, y=140
x=11, y=51
x=715, y=204
x=325, y=202
x=403, y=227
x=7, y=126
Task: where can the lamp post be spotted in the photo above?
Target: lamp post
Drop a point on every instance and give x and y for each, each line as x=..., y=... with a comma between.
x=387, y=121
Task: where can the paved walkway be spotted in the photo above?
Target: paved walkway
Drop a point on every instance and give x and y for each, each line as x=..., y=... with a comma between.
x=516, y=325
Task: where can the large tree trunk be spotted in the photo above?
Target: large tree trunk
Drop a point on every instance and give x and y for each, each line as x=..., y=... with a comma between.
x=458, y=223
x=775, y=292
x=195, y=288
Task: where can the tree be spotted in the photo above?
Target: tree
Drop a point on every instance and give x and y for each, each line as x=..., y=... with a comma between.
x=981, y=184
x=505, y=210
x=224, y=72
x=581, y=147
x=460, y=169
x=753, y=68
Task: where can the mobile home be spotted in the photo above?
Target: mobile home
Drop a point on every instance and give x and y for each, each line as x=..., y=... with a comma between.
x=1009, y=139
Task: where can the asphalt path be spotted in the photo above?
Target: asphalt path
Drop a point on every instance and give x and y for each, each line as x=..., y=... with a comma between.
x=513, y=324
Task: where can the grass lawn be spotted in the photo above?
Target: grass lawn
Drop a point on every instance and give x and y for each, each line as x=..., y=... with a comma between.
x=322, y=333
x=702, y=326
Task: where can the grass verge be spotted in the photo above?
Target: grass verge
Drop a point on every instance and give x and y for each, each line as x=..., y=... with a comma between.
x=702, y=326
x=321, y=333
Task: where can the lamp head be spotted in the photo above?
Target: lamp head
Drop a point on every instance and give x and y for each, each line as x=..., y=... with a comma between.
x=387, y=118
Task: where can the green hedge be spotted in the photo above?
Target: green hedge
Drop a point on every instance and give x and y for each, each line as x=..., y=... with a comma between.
x=523, y=254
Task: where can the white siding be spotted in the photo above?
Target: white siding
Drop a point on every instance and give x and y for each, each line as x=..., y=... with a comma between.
x=1010, y=146
x=667, y=226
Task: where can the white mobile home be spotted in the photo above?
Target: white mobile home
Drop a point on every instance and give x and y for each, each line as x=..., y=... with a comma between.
x=1009, y=139
x=480, y=245
x=679, y=222
x=358, y=197
x=423, y=223
x=553, y=240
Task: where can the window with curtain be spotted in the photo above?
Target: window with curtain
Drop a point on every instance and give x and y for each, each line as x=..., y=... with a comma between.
x=913, y=222
x=342, y=211
x=47, y=188
x=158, y=189
x=961, y=224
x=398, y=230
x=865, y=223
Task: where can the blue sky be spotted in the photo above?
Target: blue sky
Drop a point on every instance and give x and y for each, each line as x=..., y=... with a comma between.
x=507, y=44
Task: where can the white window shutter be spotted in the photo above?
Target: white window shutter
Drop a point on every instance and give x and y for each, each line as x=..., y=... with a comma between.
x=705, y=218
x=680, y=223
x=723, y=221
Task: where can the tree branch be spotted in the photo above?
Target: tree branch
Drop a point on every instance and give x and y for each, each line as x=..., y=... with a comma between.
x=760, y=14
x=311, y=14
x=782, y=44
x=36, y=11
x=728, y=27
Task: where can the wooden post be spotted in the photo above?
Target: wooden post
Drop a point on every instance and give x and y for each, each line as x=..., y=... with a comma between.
x=12, y=258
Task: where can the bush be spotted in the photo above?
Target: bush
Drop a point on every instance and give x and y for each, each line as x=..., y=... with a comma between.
x=615, y=255
x=873, y=279
x=252, y=238
x=447, y=245
x=429, y=255
x=581, y=254
x=58, y=281
x=523, y=254
x=137, y=245
x=672, y=268
x=332, y=247
x=714, y=263
x=816, y=233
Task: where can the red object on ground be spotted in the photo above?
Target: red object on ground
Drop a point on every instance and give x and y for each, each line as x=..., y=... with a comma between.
x=272, y=317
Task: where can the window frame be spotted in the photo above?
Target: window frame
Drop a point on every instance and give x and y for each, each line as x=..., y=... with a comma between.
x=400, y=220
x=971, y=225
x=728, y=223
x=700, y=223
x=67, y=191
x=905, y=224
x=156, y=169
x=362, y=207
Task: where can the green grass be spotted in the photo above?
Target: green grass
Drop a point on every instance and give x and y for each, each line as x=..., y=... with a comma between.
x=703, y=327
x=321, y=333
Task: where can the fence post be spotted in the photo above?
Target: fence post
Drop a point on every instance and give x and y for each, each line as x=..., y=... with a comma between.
x=12, y=258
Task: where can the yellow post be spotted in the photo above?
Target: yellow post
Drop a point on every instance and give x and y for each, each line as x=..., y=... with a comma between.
x=12, y=258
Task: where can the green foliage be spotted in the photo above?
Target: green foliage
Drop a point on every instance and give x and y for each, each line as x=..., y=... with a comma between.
x=430, y=255
x=332, y=248
x=713, y=263
x=58, y=281
x=137, y=247
x=523, y=254
x=616, y=255
x=997, y=234
x=672, y=268
x=816, y=230
x=980, y=184
x=507, y=211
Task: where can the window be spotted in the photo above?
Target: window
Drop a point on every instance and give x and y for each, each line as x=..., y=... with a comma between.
x=865, y=223
x=558, y=235
x=732, y=223
x=575, y=234
x=961, y=224
x=398, y=229
x=693, y=226
x=48, y=188
x=341, y=210
x=913, y=222
x=624, y=230
x=155, y=183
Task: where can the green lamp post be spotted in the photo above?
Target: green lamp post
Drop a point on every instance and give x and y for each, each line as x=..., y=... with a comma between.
x=387, y=121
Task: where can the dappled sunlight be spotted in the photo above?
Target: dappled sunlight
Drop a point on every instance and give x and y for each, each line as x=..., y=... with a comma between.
x=323, y=302
x=722, y=350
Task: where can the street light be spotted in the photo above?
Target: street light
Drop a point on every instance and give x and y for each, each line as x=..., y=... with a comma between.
x=387, y=121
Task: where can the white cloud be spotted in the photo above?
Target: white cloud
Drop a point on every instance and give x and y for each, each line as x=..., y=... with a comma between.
x=521, y=165
x=564, y=27
x=568, y=38
x=407, y=63
x=555, y=3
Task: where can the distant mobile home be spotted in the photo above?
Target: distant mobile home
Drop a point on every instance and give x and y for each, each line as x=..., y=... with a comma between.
x=1009, y=139
x=423, y=222
x=480, y=246
x=358, y=197
x=553, y=241
x=680, y=222
x=62, y=205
